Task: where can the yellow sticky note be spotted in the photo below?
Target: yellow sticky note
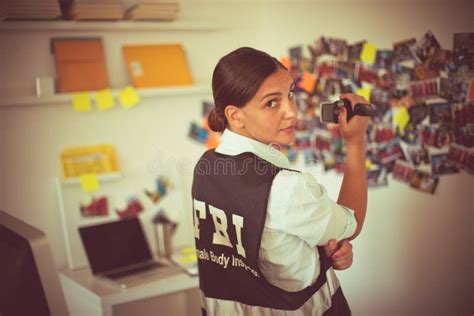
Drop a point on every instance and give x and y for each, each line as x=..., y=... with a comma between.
x=402, y=118
x=128, y=97
x=81, y=102
x=368, y=164
x=89, y=182
x=188, y=250
x=104, y=99
x=368, y=53
x=364, y=92
x=188, y=259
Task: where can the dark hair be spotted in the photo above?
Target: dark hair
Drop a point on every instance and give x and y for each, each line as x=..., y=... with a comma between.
x=236, y=79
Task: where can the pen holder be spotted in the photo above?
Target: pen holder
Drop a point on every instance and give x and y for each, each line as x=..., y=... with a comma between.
x=163, y=234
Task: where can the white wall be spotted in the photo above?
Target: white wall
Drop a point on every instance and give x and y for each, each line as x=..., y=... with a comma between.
x=415, y=255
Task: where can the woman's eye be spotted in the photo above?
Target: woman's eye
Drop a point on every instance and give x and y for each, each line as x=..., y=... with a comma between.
x=272, y=103
x=291, y=95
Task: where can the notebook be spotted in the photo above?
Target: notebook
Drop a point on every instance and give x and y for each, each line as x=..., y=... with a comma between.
x=80, y=64
x=157, y=65
x=118, y=252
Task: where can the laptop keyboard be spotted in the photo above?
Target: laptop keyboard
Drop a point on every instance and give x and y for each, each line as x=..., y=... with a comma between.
x=135, y=270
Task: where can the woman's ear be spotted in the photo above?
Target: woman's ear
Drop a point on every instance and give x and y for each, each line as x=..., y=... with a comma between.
x=233, y=115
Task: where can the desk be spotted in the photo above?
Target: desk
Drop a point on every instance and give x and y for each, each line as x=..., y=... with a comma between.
x=176, y=294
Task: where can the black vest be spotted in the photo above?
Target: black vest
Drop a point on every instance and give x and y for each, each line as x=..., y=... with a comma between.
x=239, y=186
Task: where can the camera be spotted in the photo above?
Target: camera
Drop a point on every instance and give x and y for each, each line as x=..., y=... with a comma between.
x=329, y=111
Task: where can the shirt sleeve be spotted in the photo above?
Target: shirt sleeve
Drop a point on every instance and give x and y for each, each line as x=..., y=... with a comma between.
x=300, y=206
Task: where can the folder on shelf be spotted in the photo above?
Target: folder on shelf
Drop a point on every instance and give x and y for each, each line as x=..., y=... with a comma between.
x=157, y=65
x=80, y=64
x=97, y=159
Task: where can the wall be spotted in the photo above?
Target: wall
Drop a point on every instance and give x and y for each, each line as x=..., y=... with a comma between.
x=414, y=256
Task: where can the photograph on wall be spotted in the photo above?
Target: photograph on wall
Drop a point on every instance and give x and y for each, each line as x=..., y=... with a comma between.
x=422, y=96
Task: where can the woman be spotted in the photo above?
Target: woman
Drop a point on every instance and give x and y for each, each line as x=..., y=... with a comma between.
x=258, y=225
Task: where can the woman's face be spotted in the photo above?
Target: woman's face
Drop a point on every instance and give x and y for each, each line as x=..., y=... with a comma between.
x=270, y=116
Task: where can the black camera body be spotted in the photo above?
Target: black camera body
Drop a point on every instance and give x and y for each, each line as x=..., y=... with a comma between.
x=329, y=111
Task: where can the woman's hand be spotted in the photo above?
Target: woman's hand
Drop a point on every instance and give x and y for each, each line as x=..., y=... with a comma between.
x=354, y=130
x=340, y=254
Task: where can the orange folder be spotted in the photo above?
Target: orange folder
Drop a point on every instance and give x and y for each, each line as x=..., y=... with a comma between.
x=157, y=65
x=80, y=64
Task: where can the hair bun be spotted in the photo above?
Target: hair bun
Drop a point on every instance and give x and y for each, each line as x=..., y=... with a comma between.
x=216, y=122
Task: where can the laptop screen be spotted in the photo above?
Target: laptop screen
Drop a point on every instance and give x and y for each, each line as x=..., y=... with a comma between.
x=115, y=244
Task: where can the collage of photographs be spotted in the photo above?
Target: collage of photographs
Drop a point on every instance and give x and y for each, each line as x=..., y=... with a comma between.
x=424, y=95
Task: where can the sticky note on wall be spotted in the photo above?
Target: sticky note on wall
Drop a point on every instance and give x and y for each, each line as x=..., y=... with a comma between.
x=364, y=92
x=368, y=53
x=402, y=118
x=89, y=182
x=81, y=102
x=286, y=62
x=212, y=141
x=104, y=99
x=307, y=82
x=368, y=164
x=128, y=97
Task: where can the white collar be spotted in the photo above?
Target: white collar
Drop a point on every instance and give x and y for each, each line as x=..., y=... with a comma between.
x=233, y=144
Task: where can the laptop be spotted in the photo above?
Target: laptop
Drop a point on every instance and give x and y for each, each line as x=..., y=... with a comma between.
x=118, y=252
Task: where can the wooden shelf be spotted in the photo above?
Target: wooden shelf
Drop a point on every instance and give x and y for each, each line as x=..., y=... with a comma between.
x=66, y=98
x=100, y=177
x=119, y=26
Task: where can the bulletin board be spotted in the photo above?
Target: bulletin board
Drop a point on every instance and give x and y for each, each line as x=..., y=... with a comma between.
x=422, y=101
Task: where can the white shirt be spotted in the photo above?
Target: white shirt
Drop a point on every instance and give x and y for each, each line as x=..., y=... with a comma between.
x=300, y=216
